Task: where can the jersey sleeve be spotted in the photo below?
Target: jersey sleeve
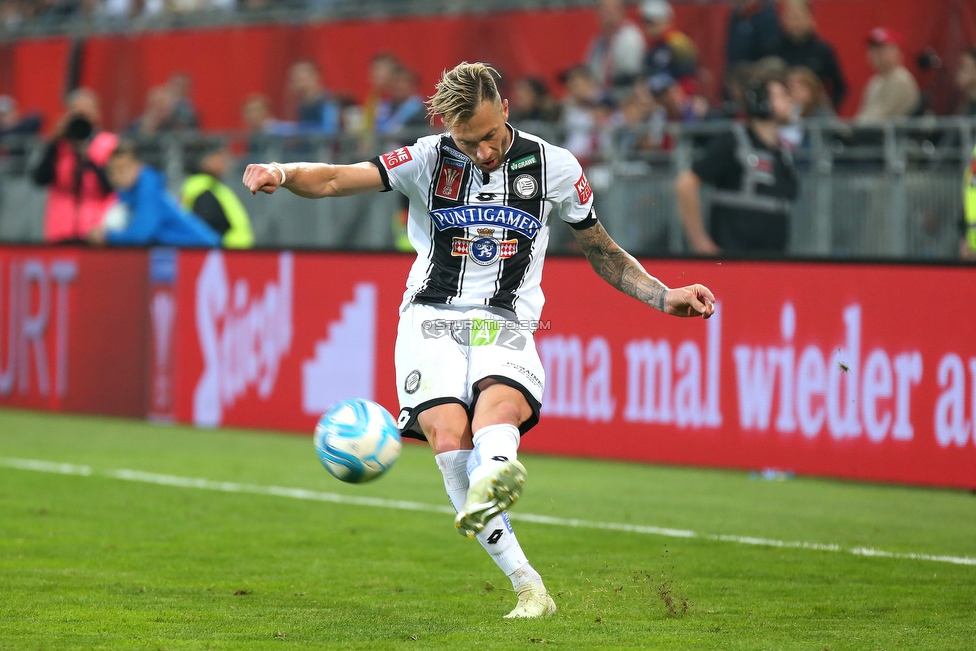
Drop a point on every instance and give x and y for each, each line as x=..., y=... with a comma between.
x=408, y=166
x=571, y=191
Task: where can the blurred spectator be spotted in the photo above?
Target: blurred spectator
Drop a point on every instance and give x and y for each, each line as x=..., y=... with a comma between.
x=317, y=111
x=73, y=169
x=754, y=179
x=808, y=94
x=152, y=215
x=892, y=92
x=577, y=116
x=12, y=123
x=668, y=50
x=157, y=117
x=405, y=107
x=11, y=14
x=676, y=105
x=382, y=70
x=14, y=126
x=966, y=81
x=616, y=54
x=633, y=134
x=531, y=102
x=801, y=46
x=206, y=196
x=183, y=113
x=967, y=243
x=258, y=122
x=754, y=31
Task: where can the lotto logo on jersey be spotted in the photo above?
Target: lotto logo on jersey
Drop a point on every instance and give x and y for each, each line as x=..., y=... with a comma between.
x=396, y=157
x=449, y=179
x=583, y=189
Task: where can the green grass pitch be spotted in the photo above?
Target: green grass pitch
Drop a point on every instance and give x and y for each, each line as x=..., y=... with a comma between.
x=108, y=560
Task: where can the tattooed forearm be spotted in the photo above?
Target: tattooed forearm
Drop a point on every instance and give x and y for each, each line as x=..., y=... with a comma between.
x=619, y=268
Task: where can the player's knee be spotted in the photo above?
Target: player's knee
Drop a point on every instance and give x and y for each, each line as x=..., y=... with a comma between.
x=444, y=439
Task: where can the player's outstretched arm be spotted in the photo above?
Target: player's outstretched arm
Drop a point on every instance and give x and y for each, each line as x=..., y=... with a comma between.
x=313, y=180
x=622, y=271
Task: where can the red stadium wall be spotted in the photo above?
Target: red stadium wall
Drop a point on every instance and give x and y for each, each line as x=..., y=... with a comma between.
x=228, y=64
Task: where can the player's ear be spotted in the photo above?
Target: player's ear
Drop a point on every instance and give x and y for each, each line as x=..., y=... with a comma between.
x=505, y=109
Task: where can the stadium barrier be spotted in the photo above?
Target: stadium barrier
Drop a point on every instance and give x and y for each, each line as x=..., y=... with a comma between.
x=844, y=370
x=880, y=191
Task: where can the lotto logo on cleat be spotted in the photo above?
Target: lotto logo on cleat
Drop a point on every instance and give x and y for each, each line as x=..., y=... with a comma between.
x=499, y=458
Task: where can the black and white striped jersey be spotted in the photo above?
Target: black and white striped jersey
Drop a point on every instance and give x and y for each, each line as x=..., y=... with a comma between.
x=481, y=238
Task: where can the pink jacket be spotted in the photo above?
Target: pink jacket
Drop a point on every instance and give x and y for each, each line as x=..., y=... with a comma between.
x=67, y=217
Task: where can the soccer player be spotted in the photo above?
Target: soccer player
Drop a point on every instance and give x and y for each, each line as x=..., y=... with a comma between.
x=469, y=378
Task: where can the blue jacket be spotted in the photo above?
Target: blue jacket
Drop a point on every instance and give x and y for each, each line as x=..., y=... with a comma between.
x=156, y=219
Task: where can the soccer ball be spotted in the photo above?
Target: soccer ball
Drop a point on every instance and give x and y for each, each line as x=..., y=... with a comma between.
x=357, y=440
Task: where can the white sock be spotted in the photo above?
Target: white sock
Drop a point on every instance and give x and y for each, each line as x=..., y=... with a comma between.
x=493, y=445
x=497, y=538
x=452, y=465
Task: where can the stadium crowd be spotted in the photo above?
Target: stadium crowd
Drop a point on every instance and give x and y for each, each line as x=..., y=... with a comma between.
x=636, y=80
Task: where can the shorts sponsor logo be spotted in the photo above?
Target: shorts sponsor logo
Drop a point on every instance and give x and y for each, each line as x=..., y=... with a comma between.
x=522, y=163
x=498, y=216
x=583, y=189
x=412, y=383
x=484, y=249
x=396, y=157
x=526, y=373
x=481, y=332
x=449, y=179
x=525, y=186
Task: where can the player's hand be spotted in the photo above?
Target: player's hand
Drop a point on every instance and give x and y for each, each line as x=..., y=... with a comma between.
x=262, y=178
x=694, y=300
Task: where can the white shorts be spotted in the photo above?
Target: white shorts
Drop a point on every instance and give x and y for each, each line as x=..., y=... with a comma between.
x=442, y=353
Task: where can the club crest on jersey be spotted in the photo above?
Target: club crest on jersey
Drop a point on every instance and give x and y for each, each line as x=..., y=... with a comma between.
x=488, y=216
x=449, y=179
x=525, y=186
x=484, y=249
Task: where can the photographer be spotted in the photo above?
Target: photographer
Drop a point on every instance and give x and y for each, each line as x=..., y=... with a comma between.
x=73, y=168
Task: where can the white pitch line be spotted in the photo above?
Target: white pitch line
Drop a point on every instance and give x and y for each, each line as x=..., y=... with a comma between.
x=402, y=505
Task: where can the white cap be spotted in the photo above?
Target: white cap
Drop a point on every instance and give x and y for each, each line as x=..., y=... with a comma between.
x=656, y=10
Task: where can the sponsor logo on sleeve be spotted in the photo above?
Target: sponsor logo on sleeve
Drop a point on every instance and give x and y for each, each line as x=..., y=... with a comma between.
x=396, y=157
x=449, y=179
x=583, y=189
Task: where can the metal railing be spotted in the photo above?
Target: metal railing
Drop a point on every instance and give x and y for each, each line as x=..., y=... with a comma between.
x=892, y=191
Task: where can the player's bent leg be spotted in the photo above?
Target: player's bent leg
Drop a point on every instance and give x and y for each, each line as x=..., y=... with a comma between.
x=495, y=475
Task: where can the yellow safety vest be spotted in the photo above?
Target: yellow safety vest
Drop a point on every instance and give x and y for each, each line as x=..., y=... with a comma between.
x=239, y=235
x=969, y=202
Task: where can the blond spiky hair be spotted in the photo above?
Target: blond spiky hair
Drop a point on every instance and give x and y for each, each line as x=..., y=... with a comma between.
x=462, y=90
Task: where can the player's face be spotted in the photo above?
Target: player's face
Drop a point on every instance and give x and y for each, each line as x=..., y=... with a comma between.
x=484, y=138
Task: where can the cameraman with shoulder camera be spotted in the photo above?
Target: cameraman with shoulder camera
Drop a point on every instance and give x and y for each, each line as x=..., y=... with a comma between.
x=753, y=177
x=73, y=168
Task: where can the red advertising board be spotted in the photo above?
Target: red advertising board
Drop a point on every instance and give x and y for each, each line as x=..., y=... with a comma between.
x=843, y=370
x=73, y=330
x=825, y=369
x=840, y=370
